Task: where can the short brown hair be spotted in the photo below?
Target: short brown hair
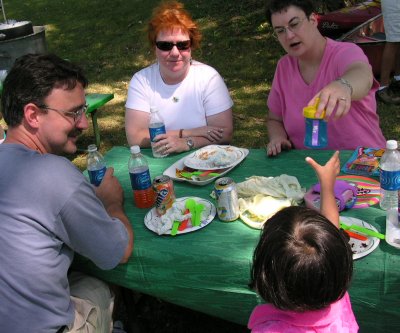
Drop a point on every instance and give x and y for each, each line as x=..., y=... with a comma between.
x=171, y=15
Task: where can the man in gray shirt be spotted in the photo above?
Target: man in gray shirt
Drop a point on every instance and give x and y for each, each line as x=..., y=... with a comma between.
x=48, y=210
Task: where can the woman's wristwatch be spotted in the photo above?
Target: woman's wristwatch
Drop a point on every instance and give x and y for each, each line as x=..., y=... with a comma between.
x=190, y=143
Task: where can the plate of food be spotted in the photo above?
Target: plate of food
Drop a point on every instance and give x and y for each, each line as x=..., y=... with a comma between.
x=214, y=157
x=180, y=172
x=361, y=248
x=162, y=225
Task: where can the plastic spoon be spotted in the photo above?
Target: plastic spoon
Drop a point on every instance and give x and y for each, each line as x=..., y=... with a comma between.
x=191, y=204
x=364, y=230
x=198, y=209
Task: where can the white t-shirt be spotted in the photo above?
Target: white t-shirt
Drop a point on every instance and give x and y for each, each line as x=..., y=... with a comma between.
x=201, y=94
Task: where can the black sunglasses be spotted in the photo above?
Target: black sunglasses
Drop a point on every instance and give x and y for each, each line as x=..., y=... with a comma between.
x=167, y=46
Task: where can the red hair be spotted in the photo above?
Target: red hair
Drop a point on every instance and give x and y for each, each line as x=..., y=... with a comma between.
x=171, y=15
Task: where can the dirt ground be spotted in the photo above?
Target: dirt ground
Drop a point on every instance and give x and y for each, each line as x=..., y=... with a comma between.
x=141, y=313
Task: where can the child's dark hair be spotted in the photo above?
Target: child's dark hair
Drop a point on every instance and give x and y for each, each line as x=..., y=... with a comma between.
x=275, y=6
x=302, y=261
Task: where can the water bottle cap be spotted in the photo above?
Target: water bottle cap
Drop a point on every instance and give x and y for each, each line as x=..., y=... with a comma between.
x=391, y=144
x=309, y=111
x=92, y=148
x=135, y=149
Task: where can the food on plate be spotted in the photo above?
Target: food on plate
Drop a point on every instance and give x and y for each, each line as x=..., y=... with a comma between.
x=177, y=212
x=218, y=156
x=255, y=211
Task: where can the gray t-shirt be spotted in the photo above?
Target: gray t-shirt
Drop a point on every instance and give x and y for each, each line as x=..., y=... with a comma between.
x=48, y=211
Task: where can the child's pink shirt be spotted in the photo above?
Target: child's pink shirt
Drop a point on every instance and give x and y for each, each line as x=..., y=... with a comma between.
x=290, y=93
x=337, y=318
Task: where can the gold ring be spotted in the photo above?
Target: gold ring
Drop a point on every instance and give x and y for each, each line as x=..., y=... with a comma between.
x=343, y=98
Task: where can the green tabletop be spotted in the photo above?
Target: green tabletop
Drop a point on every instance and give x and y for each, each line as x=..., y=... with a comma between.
x=208, y=270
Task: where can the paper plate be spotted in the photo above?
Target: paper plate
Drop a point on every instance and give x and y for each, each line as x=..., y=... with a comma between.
x=214, y=157
x=361, y=248
x=368, y=190
x=171, y=171
x=152, y=220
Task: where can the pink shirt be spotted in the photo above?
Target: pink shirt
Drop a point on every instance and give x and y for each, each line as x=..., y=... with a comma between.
x=289, y=94
x=337, y=318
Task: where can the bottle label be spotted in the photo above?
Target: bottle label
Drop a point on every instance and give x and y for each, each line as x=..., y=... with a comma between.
x=156, y=131
x=96, y=176
x=390, y=180
x=140, y=180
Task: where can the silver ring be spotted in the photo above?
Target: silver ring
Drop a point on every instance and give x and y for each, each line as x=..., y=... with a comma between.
x=208, y=131
x=166, y=147
x=343, y=99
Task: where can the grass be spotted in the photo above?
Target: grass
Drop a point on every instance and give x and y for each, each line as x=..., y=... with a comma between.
x=107, y=39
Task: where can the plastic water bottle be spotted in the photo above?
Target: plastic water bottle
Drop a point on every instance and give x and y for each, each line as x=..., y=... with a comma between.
x=156, y=127
x=96, y=165
x=392, y=235
x=390, y=176
x=143, y=194
x=316, y=136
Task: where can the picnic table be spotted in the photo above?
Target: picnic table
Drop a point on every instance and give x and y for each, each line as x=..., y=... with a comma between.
x=208, y=270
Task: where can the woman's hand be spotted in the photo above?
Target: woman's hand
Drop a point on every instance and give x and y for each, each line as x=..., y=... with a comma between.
x=334, y=96
x=168, y=144
x=275, y=146
x=213, y=133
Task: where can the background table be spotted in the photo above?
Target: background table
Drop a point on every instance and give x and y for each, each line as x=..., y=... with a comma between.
x=208, y=270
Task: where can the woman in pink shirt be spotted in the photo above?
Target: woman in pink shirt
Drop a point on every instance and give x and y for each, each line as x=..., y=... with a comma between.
x=314, y=66
x=303, y=266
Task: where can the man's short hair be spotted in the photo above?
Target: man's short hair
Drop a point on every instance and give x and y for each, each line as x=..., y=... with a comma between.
x=32, y=79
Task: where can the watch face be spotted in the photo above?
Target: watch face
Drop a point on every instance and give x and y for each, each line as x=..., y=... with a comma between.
x=190, y=143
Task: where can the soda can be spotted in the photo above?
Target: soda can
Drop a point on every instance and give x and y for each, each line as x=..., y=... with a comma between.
x=227, y=199
x=164, y=192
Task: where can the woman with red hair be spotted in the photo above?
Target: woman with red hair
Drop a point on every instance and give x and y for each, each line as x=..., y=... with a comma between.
x=191, y=97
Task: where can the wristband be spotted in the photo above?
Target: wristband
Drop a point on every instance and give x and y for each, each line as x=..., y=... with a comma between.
x=346, y=83
x=180, y=133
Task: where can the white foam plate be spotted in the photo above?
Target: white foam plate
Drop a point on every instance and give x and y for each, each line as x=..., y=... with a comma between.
x=171, y=171
x=203, y=158
x=151, y=220
x=361, y=248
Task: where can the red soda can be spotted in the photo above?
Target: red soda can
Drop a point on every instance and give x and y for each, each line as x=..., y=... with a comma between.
x=164, y=192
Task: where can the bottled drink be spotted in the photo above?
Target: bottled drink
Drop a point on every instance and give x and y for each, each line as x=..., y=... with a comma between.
x=156, y=127
x=316, y=128
x=392, y=236
x=96, y=165
x=390, y=176
x=143, y=194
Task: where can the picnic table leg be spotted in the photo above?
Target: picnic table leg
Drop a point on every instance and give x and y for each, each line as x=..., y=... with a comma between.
x=96, y=131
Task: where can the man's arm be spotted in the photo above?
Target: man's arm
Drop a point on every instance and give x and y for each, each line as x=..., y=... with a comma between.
x=111, y=195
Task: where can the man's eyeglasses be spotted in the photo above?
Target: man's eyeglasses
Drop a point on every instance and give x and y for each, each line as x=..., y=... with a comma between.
x=75, y=114
x=294, y=25
x=167, y=46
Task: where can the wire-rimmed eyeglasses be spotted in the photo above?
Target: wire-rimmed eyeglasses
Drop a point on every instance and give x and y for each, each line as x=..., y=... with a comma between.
x=76, y=114
x=294, y=25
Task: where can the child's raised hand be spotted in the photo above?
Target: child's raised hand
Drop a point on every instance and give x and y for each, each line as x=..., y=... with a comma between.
x=327, y=177
x=326, y=174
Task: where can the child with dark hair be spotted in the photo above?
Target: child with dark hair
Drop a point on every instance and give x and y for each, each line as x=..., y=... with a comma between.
x=303, y=266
